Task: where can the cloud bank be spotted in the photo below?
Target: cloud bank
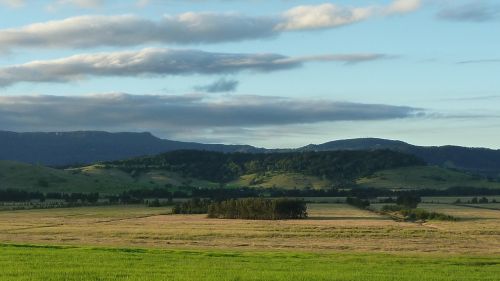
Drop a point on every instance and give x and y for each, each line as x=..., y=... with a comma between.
x=177, y=113
x=187, y=28
x=159, y=62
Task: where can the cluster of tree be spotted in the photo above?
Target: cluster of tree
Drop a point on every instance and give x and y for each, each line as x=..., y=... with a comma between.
x=392, y=208
x=339, y=166
x=405, y=201
x=420, y=214
x=408, y=200
x=91, y=198
x=193, y=206
x=476, y=200
x=155, y=203
x=357, y=202
x=482, y=200
x=136, y=196
x=258, y=209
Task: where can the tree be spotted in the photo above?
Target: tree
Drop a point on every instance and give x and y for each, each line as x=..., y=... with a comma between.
x=258, y=209
x=408, y=200
x=483, y=200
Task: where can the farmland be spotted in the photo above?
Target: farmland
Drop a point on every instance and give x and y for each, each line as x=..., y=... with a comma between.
x=330, y=227
x=336, y=242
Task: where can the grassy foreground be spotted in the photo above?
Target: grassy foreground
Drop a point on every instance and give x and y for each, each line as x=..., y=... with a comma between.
x=25, y=262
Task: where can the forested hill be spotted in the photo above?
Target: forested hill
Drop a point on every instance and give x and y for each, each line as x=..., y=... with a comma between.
x=337, y=166
x=478, y=160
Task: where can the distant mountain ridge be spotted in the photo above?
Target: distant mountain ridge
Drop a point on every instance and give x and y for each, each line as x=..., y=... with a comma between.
x=479, y=160
x=86, y=147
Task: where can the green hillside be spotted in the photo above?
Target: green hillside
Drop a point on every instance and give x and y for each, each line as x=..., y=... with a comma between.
x=339, y=167
x=176, y=171
x=94, y=178
x=281, y=180
x=43, y=179
x=147, y=178
x=419, y=177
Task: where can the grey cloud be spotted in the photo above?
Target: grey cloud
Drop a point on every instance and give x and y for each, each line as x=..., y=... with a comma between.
x=159, y=62
x=220, y=86
x=178, y=113
x=479, y=61
x=187, y=28
x=127, y=30
x=471, y=98
x=477, y=11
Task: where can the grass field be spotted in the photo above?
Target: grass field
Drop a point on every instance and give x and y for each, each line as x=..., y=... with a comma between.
x=337, y=242
x=20, y=262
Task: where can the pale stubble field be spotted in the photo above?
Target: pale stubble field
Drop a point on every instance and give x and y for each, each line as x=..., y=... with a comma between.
x=330, y=227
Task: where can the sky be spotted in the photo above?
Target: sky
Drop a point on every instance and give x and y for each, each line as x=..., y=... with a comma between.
x=269, y=73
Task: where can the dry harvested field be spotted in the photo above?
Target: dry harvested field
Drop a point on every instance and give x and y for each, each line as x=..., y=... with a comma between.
x=330, y=227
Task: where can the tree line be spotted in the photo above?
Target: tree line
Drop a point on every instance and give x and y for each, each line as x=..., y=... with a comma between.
x=16, y=195
x=135, y=196
x=193, y=206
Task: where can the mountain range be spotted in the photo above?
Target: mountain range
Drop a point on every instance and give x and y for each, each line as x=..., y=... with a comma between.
x=86, y=147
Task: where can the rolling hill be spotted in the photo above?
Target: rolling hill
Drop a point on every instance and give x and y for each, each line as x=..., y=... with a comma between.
x=89, y=147
x=340, y=167
x=188, y=169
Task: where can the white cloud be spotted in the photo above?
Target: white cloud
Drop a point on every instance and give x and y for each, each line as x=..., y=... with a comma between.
x=79, y=3
x=142, y=3
x=13, y=3
x=159, y=62
x=186, y=28
x=322, y=16
x=310, y=17
x=403, y=6
x=127, y=30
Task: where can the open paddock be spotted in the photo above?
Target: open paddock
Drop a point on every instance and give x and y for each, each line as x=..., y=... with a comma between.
x=330, y=227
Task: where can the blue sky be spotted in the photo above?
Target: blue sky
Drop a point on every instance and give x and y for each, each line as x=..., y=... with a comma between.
x=266, y=73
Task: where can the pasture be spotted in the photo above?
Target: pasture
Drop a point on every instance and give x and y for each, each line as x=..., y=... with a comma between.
x=336, y=242
x=83, y=263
